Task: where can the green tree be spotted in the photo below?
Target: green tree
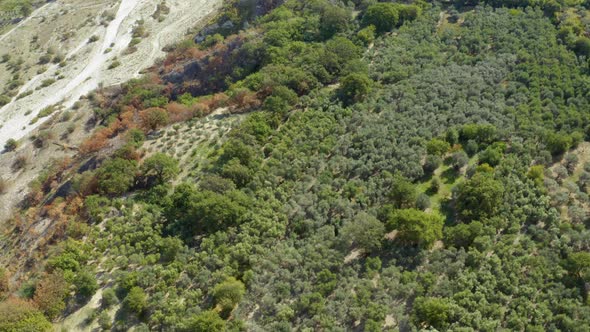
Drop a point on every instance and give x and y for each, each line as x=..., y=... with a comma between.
x=367, y=35
x=384, y=16
x=459, y=159
x=578, y=264
x=491, y=155
x=480, y=197
x=238, y=173
x=339, y=52
x=161, y=167
x=437, y=147
x=85, y=283
x=416, y=227
x=558, y=143
x=228, y=294
x=537, y=174
x=207, y=211
x=333, y=20
x=136, y=300
x=431, y=312
x=355, y=87
x=364, y=231
x=206, y=321
x=116, y=176
x=403, y=193
x=582, y=46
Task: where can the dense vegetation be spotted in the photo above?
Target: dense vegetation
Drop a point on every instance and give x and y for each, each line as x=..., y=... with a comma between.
x=403, y=167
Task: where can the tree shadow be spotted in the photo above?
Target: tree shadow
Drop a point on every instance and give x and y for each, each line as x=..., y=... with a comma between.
x=447, y=208
x=450, y=176
x=426, y=177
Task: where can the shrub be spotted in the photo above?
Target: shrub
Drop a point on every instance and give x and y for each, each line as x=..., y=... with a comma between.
x=136, y=300
x=228, y=294
x=431, y=312
x=109, y=298
x=20, y=162
x=4, y=100
x=19, y=315
x=105, y=321
x=154, y=118
x=383, y=16
x=206, y=321
x=11, y=145
x=50, y=294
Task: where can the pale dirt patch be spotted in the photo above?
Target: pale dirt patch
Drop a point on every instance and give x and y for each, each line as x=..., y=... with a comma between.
x=354, y=254
x=391, y=235
x=390, y=321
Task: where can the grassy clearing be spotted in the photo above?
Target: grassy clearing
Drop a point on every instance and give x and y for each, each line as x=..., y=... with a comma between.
x=193, y=141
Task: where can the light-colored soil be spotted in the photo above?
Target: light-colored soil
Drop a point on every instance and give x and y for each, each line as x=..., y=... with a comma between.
x=86, y=64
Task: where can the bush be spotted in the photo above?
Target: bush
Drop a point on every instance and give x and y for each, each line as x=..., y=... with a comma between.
x=20, y=162
x=383, y=16
x=4, y=100
x=11, y=145
x=154, y=118
x=136, y=300
x=207, y=321
x=104, y=321
x=109, y=298
x=85, y=283
x=228, y=294
x=18, y=315
x=50, y=295
x=431, y=312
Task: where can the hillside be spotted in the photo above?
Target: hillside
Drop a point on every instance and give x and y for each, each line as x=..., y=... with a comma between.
x=316, y=166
